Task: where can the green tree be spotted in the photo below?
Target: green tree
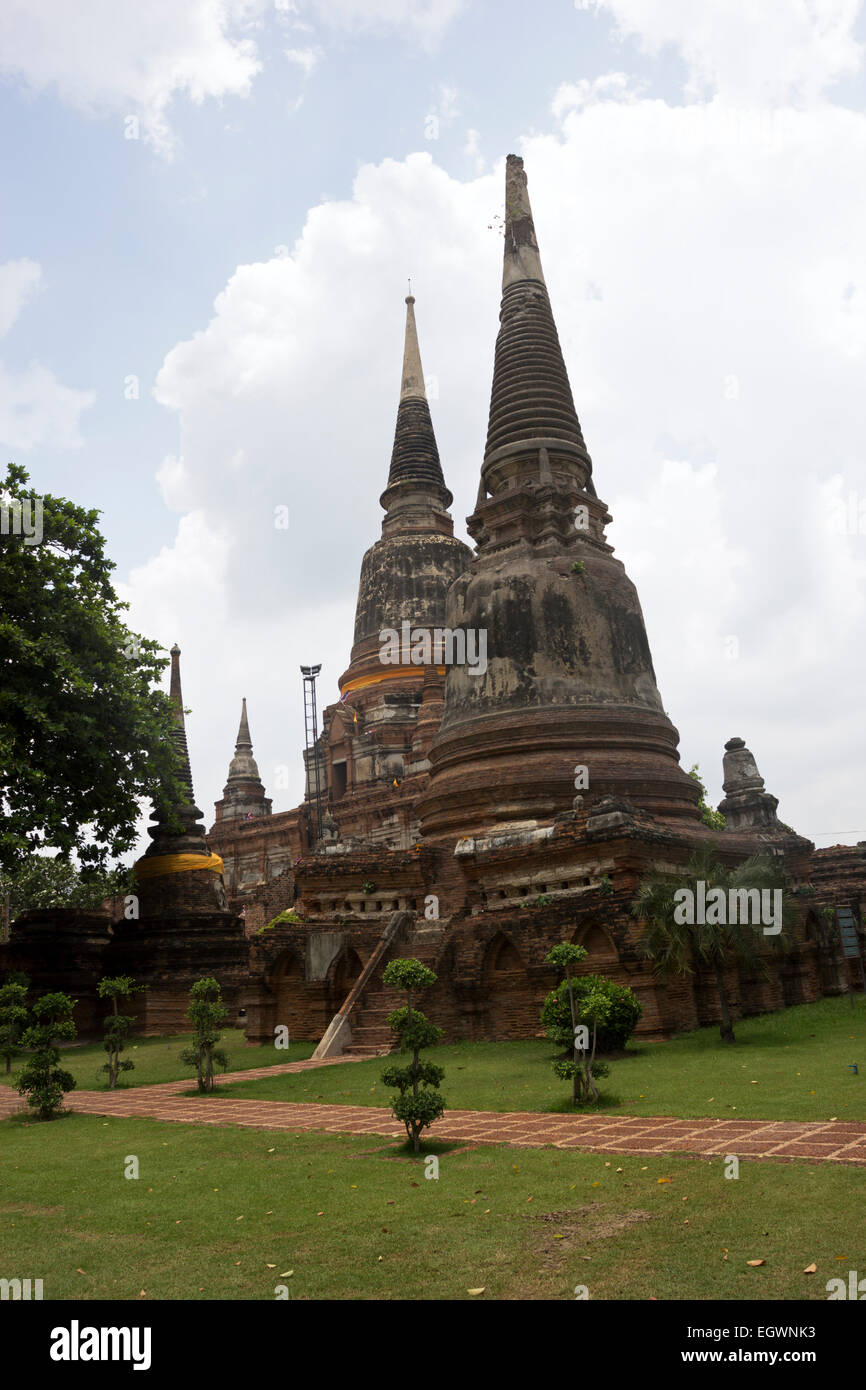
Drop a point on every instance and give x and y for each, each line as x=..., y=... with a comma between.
x=678, y=947
x=419, y=1104
x=83, y=733
x=13, y=1018
x=207, y=1013
x=587, y=1010
x=42, y=1081
x=714, y=819
x=625, y=1012
x=117, y=1025
x=42, y=881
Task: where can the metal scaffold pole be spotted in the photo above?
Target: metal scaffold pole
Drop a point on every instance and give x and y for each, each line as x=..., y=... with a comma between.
x=314, y=792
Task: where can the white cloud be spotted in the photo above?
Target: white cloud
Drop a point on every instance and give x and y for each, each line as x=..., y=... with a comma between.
x=109, y=59
x=18, y=280
x=424, y=19
x=615, y=86
x=304, y=58
x=35, y=408
x=786, y=48
x=472, y=150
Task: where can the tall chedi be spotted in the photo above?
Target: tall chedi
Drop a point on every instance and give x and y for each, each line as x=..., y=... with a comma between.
x=243, y=795
x=391, y=704
x=569, y=679
x=178, y=875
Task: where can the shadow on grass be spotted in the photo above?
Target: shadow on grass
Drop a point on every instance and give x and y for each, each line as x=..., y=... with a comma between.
x=607, y=1100
x=24, y=1118
x=406, y=1149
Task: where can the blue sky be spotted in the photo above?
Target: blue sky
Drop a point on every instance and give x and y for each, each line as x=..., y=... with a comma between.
x=696, y=174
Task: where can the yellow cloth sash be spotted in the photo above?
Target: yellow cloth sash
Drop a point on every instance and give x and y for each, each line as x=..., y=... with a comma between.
x=395, y=673
x=161, y=864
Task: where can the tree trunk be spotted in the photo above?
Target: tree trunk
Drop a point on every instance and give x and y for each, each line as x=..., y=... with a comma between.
x=590, y=1079
x=113, y=1057
x=726, y=1028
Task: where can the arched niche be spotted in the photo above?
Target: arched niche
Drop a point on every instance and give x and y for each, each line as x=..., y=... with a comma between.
x=513, y=1003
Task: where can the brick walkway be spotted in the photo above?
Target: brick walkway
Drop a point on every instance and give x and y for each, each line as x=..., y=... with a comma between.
x=833, y=1141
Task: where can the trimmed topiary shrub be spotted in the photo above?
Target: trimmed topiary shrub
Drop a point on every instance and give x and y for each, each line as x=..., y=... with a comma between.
x=42, y=1081
x=419, y=1103
x=620, y=1021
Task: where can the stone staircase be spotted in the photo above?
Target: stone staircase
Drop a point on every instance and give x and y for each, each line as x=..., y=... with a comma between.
x=371, y=1036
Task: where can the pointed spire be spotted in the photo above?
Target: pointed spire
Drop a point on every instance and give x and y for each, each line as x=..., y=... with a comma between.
x=531, y=404
x=179, y=736
x=244, y=793
x=243, y=767
x=522, y=260
x=413, y=372
x=415, y=456
x=243, y=738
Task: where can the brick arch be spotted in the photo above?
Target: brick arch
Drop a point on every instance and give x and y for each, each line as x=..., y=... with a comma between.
x=512, y=1001
x=342, y=976
x=502, y=956
x=599, y=943
x=289, y=990
x=813, y=926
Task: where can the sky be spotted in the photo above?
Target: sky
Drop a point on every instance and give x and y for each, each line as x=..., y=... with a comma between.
x=211, y=213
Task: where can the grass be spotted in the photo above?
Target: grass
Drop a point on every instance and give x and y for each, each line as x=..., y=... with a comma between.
x=791, y=1065
x=156, y=1059
x=226, y=1214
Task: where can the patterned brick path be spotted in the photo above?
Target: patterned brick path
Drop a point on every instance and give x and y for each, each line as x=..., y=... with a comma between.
x=833, y=1141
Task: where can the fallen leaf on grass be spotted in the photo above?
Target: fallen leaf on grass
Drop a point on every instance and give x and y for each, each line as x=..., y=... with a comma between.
x=756, y=1262
x=286, y=1274
x=477, y=1291
x=811, y=1269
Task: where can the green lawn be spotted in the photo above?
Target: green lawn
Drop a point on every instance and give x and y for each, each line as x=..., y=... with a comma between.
x=156, y=1059
x=790, y=1065
x=225, y=1214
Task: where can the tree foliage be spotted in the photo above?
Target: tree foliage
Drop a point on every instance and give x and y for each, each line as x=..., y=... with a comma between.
x=714, y=819
x=587, y=1009
x=42, y=1081
x=117, y=1025
x=622, y=1018
x=13, y=1018
x=419, y=1104
x=40, y=881
x=207, y=1013
x=681, y=948
x=83, y=733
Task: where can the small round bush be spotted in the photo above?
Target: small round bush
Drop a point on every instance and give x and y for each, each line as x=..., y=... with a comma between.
x=625, y=1011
